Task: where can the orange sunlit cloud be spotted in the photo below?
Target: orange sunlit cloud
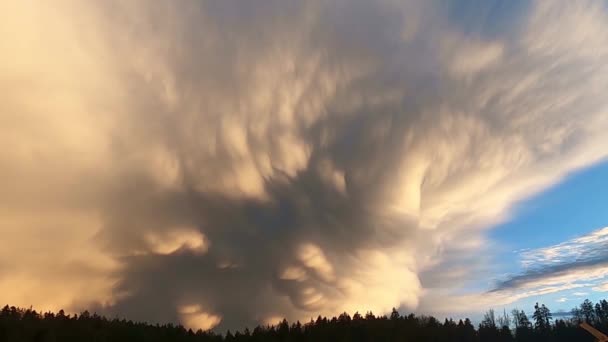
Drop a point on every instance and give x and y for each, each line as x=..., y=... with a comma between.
x=227, y=164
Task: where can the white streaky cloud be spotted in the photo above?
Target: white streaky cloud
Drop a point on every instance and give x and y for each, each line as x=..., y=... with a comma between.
x=583, y=258
x=587, y=273
x=578, y=262
x=324, y=171
x=587, y=247
x=601, y=288
x=562, y=300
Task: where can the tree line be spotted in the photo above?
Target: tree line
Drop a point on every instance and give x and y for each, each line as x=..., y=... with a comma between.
x=18, y=324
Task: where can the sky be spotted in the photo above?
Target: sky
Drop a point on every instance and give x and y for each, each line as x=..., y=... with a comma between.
x=222, y=164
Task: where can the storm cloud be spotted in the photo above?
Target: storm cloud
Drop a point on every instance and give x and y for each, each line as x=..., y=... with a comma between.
x=237, y=162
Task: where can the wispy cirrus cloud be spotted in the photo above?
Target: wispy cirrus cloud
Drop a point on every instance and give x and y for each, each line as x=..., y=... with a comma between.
x=592, y=247
x=601, y=288
x=579, y=263
x=581, y=259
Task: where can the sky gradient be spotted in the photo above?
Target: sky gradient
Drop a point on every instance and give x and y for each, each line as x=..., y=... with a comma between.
x=228, y=163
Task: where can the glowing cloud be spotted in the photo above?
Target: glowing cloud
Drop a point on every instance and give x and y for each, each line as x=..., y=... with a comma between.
x=195, y=318
x=281, y=159
x=175, y=239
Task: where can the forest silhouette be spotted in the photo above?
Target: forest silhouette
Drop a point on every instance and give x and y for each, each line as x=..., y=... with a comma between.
x=18, y=324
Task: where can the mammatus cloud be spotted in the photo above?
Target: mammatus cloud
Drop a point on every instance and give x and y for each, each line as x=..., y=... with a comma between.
x=230, y=163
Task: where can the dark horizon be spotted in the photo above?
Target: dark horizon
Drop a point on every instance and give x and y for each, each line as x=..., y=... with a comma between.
x=28, y=325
